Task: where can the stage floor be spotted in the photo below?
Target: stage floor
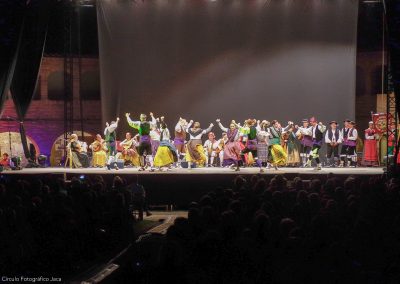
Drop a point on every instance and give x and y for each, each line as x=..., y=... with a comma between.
x=197, y=171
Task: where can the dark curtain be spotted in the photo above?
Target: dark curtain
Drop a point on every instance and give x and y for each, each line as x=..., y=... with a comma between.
x=204, y=60
x=12, y=12
x=28, y=58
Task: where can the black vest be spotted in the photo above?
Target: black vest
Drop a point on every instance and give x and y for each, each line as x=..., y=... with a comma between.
x=318, y=134
x=347, y=132
x=337, y=134
x=194, y=132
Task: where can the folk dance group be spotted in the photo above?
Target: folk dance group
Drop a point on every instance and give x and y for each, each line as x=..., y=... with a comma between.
x=255, y=143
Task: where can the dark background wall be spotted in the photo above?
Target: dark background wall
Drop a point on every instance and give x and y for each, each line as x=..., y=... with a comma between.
x=45, y=117
x=228, y=59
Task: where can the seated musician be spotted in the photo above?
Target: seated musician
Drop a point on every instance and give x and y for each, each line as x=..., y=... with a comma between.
x=5, y=162
x=99, y=150
x=79, y=157
x=129, y=153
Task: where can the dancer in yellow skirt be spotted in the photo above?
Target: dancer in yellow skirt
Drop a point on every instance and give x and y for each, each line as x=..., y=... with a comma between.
x=278, y=154
x=99, y=150
x=166, y=153
x=195, y=150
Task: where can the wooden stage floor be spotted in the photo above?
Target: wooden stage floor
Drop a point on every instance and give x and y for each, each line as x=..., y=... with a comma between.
x=197, y=171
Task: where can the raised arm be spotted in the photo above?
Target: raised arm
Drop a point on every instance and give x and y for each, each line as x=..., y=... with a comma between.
x=287, y=128
x=188, y=126
x=224, y=129
x=153, y=122
x=208, y=129
x=113, y=126
x=106, y=129
x=134, y=124
x=322, y=127
x=178, y=127
x=258, y=127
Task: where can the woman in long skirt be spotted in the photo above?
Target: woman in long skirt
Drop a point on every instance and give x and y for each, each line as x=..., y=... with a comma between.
x=232, y=149
x=370, y=146
x=166, y=153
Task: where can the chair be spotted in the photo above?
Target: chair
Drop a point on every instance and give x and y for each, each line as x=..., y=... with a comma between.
x=68, y=159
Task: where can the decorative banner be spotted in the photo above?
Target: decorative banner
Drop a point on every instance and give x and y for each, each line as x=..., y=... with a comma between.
x=380, y=121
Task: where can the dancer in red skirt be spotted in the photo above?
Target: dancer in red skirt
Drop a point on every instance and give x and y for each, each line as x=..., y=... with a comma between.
x=370, y=146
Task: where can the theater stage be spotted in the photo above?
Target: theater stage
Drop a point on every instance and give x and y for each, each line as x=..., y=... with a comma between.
x=197, y=171
x=179, y=187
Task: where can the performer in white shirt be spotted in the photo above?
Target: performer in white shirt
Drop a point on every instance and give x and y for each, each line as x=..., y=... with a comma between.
x=155, y=137
x=333, y=138
x=110, y=136
x=213, y=150
x=304, y=135
x=317, y=137
x=180, y=137
x=263, y=142
x=348, y=152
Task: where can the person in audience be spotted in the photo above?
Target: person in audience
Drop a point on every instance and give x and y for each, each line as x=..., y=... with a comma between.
x=263, y=229
x=139, y=200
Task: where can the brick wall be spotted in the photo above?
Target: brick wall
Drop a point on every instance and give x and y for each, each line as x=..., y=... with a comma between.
x=45, y=118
